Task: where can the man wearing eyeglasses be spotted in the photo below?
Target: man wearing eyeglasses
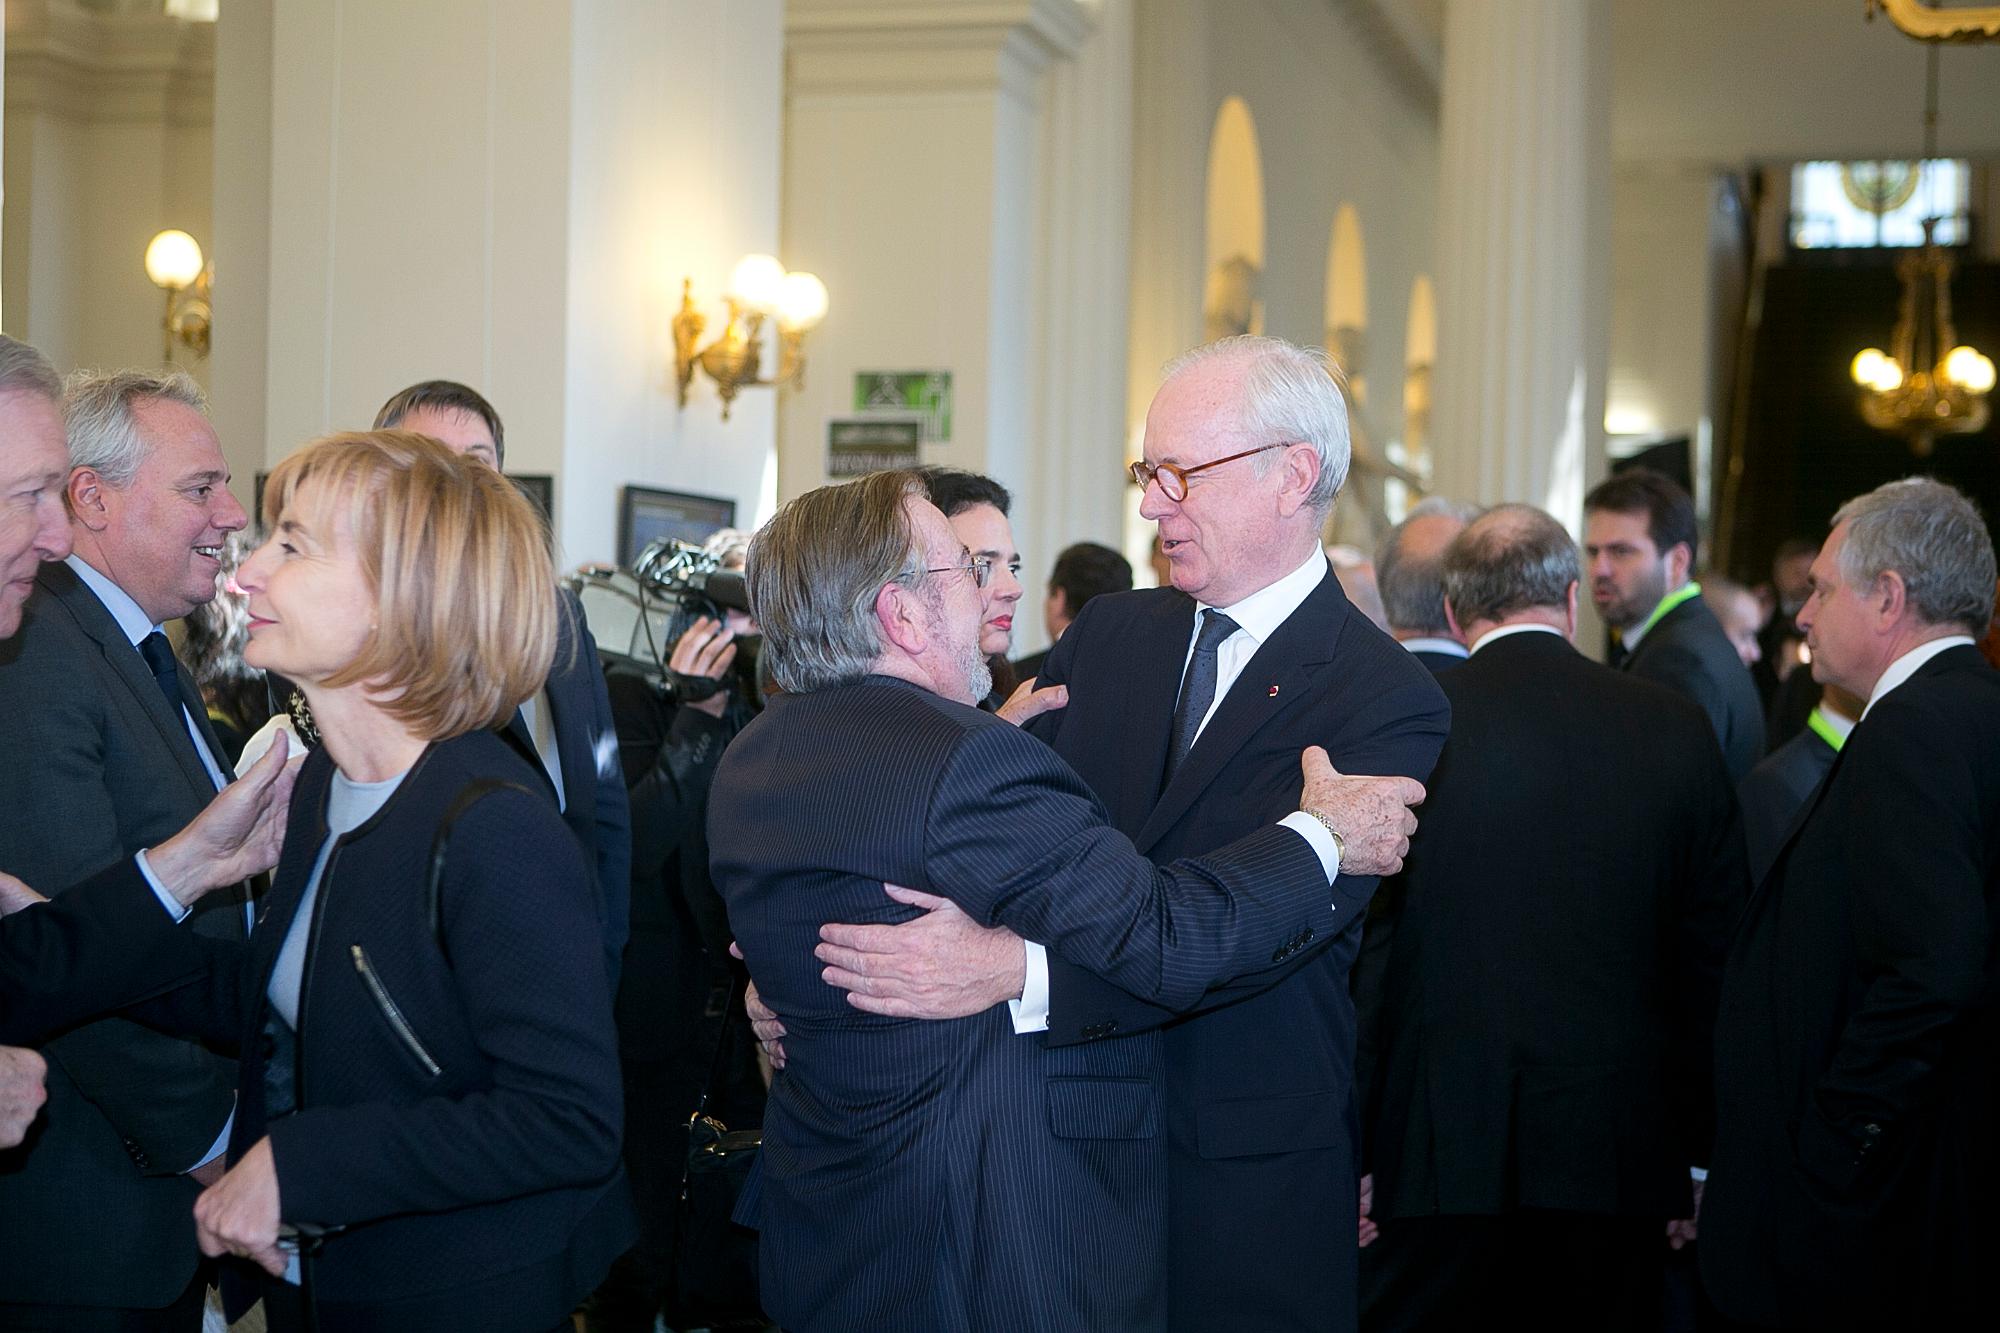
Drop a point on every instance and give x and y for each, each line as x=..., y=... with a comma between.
x=1187, y=707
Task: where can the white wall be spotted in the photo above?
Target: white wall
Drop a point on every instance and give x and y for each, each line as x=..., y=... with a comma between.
x=416, y=214
x=1659, y=299
x=673, y=152
x=508, y=193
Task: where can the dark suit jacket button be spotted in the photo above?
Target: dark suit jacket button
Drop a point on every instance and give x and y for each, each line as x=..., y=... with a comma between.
x=1279, y=956
x=1110, y=1026
x=1308, y=938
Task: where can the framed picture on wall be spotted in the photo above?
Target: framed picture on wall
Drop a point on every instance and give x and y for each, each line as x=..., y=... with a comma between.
x=646, y=515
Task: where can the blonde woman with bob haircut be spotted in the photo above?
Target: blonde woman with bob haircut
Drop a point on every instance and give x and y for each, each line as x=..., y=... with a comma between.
x=427, y=1130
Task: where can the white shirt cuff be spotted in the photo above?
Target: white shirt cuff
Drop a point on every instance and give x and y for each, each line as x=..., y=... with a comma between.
x=220, y=1146
x=1698, y=1173
x=1031, y=1011
x=167, y=900
x=1322, y=841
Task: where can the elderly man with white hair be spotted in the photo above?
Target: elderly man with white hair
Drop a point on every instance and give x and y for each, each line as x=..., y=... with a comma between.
x=1854, y=1172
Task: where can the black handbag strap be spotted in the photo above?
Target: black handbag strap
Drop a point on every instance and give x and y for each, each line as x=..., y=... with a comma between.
x=468, y=796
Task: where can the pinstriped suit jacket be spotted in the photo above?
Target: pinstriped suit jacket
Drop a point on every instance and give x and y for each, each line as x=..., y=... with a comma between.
x=952, y=1176
x=93, y=767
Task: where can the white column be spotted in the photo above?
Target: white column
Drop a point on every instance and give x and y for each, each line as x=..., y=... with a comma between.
x=1523, y=252
x=1071, y=485
x=1173, y=117
x=911, y=161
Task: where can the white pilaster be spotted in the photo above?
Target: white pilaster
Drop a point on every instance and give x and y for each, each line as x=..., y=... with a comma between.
x=1523, y=249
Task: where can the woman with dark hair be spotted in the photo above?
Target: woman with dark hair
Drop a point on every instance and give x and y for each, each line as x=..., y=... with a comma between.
x=977, y=509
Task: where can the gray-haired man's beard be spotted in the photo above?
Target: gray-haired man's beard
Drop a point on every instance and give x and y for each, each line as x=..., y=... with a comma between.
x=978, y=676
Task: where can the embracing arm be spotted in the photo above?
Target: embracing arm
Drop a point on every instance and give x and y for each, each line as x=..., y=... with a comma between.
x=1015, y=839
x=521, y=930
x=1082, y=1004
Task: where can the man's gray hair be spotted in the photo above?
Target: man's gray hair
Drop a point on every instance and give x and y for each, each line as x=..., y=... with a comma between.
x=25, y=370
x=97, y=416
x=1512, y=558
x=815, y=570
x=1292, y=394
x=1933, y=537
x=1411, y=586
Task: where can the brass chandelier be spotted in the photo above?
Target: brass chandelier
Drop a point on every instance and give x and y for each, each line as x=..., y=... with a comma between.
x=1928, y=383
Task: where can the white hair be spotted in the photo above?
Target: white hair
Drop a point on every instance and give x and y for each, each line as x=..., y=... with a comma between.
x=97, y=416
x=1292, y=394
x=1933, y=537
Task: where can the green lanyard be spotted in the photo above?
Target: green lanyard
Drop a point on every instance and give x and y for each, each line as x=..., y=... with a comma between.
x=1824, y=730
x=1668, y=603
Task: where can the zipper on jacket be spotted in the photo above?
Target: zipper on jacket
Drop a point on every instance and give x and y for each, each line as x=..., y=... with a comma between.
x=389, y=1010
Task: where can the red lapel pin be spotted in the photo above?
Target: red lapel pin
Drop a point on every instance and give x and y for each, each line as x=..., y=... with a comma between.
x=1274, y=691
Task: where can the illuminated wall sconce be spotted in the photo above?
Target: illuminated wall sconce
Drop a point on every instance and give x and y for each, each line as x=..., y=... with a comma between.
x=174, y=263
x=759, y=289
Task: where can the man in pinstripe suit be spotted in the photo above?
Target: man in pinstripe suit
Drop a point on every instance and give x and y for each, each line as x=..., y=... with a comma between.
x=1246, y=447
x=949, y=1176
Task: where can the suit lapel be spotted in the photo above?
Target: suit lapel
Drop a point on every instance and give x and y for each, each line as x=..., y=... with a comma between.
x=1277, y=681
x=1951, y=659
x=1131, y=787
x=130, y=669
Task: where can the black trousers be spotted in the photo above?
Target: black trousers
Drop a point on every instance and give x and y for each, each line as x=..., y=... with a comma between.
x=183, y=1316
x=285, y=1312
x=1553, y=1271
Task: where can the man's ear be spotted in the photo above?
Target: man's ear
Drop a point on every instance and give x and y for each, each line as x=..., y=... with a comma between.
x=1680, y=563
x=899, y=618
x=1570, y=633
x=1451, y=619
x=1890, y=597
x=85, y=493
x=1301, y=474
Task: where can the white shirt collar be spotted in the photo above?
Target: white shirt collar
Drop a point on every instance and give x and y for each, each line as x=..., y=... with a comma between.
x=1906, y=666
x=1449, y=647
x=116, y=600
x=1504, y=630
x=1260, y=614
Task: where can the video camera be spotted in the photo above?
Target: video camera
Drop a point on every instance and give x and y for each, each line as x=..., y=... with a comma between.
x=638, y=615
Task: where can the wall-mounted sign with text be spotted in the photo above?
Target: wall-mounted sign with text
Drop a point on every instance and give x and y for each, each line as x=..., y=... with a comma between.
x=860, y=445
x=924, y=393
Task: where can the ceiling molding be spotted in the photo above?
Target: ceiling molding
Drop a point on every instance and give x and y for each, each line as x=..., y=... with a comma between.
x=100, y=68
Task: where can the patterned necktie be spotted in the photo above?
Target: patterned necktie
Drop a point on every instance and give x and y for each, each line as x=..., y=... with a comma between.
x=159, y=655
x=1197, y=687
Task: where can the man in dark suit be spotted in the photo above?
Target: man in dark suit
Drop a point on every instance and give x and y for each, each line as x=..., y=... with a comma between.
x=1408, y=572
x=1639, y=548
x=566, y=732
x=46, y=978
x=1854, y=1170
x=1252, y=652
x=1535, y=1027
x=115, y=754
x=952, y=1176
x=1773, y=793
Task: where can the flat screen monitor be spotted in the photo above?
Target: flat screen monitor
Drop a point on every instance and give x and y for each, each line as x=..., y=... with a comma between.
x=646, y=515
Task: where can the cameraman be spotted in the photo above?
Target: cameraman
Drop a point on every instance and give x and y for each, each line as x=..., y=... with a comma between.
x=680, y=1007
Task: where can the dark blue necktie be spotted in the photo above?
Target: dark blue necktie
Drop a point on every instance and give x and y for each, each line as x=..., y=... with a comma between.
x=159, y=655
x=1197, y=687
